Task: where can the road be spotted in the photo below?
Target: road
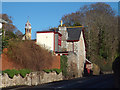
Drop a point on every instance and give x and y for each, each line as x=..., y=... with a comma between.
x=101, y=81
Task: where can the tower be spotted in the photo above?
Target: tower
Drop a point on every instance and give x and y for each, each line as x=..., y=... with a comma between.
x=28, y=31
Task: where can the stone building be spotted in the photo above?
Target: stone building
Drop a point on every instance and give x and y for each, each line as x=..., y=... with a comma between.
x=66, y=41
x=73, y=41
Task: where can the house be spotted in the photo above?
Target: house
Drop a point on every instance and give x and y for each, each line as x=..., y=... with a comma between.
x=51, y=40
x=2, y=22
x=73, y=41
x=64, y=40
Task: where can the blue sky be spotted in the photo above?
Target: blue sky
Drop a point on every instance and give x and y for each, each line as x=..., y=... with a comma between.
x=42, y=15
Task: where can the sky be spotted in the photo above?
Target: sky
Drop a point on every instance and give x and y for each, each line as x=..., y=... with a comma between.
x=42, y=15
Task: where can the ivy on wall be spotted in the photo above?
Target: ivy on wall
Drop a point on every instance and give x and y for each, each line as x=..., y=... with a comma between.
x=63, y=63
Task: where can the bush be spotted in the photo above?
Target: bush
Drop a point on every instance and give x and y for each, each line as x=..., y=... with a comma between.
x=23, y=72
x=51, y=70
x=13, y=72
x=5, y=71
x=95, y=69
x=57, y=70
x=27, y=54
x=47, y=70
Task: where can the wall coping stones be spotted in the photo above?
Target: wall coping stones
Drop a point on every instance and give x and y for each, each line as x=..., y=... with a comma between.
x=33, y=78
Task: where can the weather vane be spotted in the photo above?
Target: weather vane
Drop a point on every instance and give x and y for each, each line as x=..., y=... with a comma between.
x=28, y=18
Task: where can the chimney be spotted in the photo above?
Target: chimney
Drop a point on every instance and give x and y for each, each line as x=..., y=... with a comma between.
x=61, y=22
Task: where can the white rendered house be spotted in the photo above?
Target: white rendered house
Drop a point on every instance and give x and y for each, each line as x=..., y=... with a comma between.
x=51, y=40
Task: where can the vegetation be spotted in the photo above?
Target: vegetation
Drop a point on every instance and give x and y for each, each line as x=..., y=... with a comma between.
x=57, y=70
x=63, y=66
x=29, y=55
x=95, y=69
x=13, y=72
x=9, y=31
x=21, y=52
x=63, y=63
x=51, y=70
x=9, y=25
x=48, y=70
x=102, y=39
x=102, y=34
x=5, y=39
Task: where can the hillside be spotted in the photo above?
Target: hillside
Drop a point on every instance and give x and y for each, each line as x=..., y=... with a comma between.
x=28, y=55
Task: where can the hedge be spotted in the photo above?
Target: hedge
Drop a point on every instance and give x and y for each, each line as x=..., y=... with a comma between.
x=51, y=70
x=13, y=72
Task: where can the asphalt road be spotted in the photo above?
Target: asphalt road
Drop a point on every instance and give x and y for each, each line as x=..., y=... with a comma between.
x=101, y=81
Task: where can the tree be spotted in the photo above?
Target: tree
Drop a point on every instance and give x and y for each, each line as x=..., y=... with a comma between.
x=9, y=25
x=9, y=31
x=101, y=34
x=118, y=36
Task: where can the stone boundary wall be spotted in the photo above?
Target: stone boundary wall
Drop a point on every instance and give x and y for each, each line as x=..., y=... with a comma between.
x=34, y=78
x=109, y=72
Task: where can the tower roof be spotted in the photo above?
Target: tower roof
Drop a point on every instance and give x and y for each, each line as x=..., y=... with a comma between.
x=28, y=25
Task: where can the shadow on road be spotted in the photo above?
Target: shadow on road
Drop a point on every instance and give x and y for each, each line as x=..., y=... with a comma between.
x=116, y=70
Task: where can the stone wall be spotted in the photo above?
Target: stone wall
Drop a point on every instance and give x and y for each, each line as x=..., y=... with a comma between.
x=81, y=55
x=34, y=78
x=76, y=47
x=72, y=69
x=77, y=58
x=69, y=46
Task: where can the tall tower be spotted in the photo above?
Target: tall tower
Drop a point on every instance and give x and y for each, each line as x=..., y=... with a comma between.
x=28, y=31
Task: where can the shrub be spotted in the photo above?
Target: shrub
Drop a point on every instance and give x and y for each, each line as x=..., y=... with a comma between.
x=5, y=71
x=13, y=72
x=57, y=70
x=95, y=69
x=51, y=70
x=47, y=70
x=23, y=72
x=27, y=54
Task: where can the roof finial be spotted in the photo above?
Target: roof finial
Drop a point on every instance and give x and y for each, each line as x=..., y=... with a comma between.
x=61, y=22
x=28, y=18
